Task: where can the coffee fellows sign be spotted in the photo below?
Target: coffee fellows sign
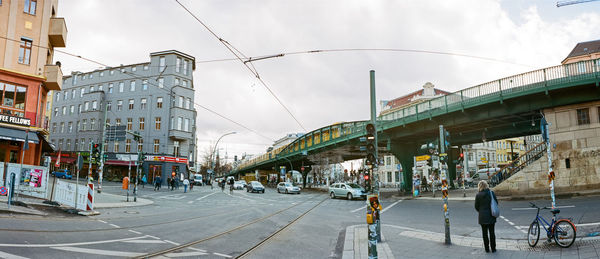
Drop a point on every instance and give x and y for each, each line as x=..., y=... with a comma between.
x=15, y=120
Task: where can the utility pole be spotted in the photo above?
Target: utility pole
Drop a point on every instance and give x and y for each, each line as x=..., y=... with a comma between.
x=101, y=165
x=90, y=162
x=443, y=173
x=373, y=205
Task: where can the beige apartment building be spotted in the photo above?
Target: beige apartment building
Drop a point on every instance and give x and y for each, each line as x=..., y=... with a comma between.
x=29, y=32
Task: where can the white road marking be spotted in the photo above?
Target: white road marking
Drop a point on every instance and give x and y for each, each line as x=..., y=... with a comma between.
x=171, y=242
x=114, y=225
x=102, y=221
x=190, y=202
x=382, y=211
x=196, y=249
x=205, y=196
x=73, y=244
x=223, y=255
x=135, y=232
x=11, y=256
x=145, y=241
x=183, y=254
x=152, y=237
x=242, y=198
x=513, y=224
x=458, y=240
x=173, y=197
x=361, y=208
x=98, y=251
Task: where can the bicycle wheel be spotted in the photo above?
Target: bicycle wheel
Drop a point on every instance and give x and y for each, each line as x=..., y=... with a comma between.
x=533, y=235
x=564, y=233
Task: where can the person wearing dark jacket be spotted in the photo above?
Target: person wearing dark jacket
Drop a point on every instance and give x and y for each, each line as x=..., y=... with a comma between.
x=486, y=220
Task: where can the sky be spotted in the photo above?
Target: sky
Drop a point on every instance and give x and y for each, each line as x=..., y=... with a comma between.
x=319, y=89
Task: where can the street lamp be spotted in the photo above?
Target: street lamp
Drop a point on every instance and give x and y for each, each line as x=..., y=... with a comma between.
x=212, y=155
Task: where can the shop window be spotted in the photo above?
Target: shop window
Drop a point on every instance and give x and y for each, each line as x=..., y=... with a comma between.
x=13, y=99
x=583, y=116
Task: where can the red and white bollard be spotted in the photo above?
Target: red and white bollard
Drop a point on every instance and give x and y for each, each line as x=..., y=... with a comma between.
x=90, y=197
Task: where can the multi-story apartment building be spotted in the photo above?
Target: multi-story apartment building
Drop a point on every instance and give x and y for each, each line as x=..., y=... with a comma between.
x=29, y=32
x=155, y=99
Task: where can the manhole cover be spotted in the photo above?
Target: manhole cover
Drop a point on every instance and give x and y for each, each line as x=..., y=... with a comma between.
x=132, y=212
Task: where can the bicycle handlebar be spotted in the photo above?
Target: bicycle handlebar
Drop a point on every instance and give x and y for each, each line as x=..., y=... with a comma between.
x=535, y=206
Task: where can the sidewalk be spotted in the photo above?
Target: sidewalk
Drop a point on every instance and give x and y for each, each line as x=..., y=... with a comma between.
x=101, y=201
x=411, y=242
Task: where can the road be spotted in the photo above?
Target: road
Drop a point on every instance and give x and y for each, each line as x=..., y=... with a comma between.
x=209, y=223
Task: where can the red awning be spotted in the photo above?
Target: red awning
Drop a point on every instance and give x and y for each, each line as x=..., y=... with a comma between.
x=67, y=160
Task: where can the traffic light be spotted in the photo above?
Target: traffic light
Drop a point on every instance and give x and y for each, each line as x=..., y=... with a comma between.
x=95, y=153
x=367, y=177
x=371, y=146
x=461, y=157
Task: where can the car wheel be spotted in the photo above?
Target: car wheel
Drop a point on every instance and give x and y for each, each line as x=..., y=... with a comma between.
x=332, y=195
x=63, y=177
x=286, y=191
x=349, y=196
x=263, y=191
x=278, y=190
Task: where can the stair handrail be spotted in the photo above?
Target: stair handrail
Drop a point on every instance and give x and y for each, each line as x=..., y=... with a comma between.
x=513, y=164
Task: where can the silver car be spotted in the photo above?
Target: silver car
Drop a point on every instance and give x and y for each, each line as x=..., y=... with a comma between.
x=348, y=190
x=287, y=187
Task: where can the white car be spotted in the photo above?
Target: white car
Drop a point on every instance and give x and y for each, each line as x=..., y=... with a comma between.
x=287, y=187
x=239, y=185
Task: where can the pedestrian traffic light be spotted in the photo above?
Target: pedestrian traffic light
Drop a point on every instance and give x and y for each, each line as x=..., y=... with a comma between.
x=367, y=177
x=371, y=147
x=461, y=157
x=95, y=156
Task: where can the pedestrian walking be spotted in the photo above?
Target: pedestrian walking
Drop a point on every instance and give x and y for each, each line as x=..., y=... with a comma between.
x=169, y=184
x=157, y=183
x=486, y=220
x=144, y=181
x=186, y=182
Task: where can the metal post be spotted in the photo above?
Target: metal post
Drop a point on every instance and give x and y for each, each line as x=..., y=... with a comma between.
x=101, y=166
x=374, y=230
x=465, y=171
x=444, y=186
x=90, y=162
x=77, y=178
x=128, y=178
x=551, y=175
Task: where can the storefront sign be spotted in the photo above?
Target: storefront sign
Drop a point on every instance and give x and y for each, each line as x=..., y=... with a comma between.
x=167, y=159
x=15, y=120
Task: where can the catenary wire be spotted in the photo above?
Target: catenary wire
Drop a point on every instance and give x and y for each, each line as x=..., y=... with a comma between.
x=233, y=50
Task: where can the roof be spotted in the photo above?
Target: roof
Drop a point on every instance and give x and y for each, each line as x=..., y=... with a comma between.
x=584, y=48
x=406, y=99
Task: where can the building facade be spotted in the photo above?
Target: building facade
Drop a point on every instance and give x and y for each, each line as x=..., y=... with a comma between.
x=29, y=32
x=154, y=99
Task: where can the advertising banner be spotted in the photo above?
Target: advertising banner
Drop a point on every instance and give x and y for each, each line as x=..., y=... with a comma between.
x=30, y=180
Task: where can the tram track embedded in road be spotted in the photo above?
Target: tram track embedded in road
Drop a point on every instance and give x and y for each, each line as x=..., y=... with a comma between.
x=189, y=244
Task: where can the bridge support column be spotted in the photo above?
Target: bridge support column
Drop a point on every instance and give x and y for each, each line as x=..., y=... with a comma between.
x=405, y=153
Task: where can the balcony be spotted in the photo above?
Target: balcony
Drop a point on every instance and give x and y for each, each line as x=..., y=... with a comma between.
x=57, y=32
x=54, y=77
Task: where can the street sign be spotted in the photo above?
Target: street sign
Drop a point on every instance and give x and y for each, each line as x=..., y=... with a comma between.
x=116, y=133
x=443, y=154
x=421, y=163
x=423, y=158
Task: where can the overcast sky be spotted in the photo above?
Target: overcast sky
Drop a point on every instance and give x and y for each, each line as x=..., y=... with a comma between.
x=322, y=88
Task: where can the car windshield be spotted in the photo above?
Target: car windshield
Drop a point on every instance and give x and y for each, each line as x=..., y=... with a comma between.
x=354, y=186
x=256, y=184
x=288, y=184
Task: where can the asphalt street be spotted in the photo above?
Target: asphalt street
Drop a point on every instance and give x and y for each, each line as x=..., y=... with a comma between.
x=209, y=223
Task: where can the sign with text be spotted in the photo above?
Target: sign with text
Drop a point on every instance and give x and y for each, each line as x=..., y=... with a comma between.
x=15, y=120
x=422, y=158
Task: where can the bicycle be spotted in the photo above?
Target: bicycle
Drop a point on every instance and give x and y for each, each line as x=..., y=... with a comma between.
x=563, y=230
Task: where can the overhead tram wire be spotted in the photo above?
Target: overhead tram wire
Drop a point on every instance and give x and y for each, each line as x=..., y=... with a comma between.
x=252, y=69
x=136, y=76
x=251, y=59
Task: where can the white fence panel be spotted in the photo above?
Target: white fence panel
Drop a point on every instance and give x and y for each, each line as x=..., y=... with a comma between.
x=64, y=193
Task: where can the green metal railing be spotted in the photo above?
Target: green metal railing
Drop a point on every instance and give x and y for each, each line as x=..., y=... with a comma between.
x=494, y=91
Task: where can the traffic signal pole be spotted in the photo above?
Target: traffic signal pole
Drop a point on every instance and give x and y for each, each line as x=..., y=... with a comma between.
x=444, y=176
x=374, y=230
x=101, y=166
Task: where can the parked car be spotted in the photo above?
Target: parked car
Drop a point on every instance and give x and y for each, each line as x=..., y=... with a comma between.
x=255, y=186
x=197, y=179
x=348, y=190
x=62, y=173
x=239, y=185
x=486, y=173
x=287, y=187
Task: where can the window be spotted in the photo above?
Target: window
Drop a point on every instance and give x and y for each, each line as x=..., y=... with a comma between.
x=94, y=105
x=122, y=70
x=76, y=145
x=54, y=127
x=119, y=105
x=82, y=144
x=25, y=51
x=133, y=69
x=101, y=73
x=142, y=123
x=179, y=123
x=117, y=122
x=143, y=103
x=156, y=145
x=108, y=106
x=57, y=97
x=66, y=95
x=132, y=86
x=75, y=79
x=157, y=121
x=83, y=77
x=60, y=144
x=188, y=101
x=131, y=104
x=140, y=144
x=55, y=112
x=184, y=83
x=105, y=146
x=91, y=88
x=100, y=87
x=70, y=127
x=86, y=106
x=62, y=127
x=110, y=88
x=146, y=67
x=178, y=65
x=145, y=84
x=121, y=85
x=128, y=145
x=583, y=116
x=176, y=82
x=68, y=144
x=78, y=127
x=161, y=82
x=92, y=124
x=83, y=124
x=129, y=124
x=82, y=92
x=30, y=6
x=172, y=123
x=161, y=64
x=72, y=109
x=185, y=67
x=186, y=126
x=180, y=101
x=107, y=122
x=175, y=148
x=159, y=102
x=116, y=148
x=64, y=110
x=73, y=94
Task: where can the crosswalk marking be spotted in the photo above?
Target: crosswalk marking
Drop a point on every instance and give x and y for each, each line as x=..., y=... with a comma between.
x=145, y=241
x=98, y=251
x=184, y=254
x=11, y=256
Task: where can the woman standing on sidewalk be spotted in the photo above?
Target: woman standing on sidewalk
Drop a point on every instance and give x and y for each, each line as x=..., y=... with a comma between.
x=486, y=220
